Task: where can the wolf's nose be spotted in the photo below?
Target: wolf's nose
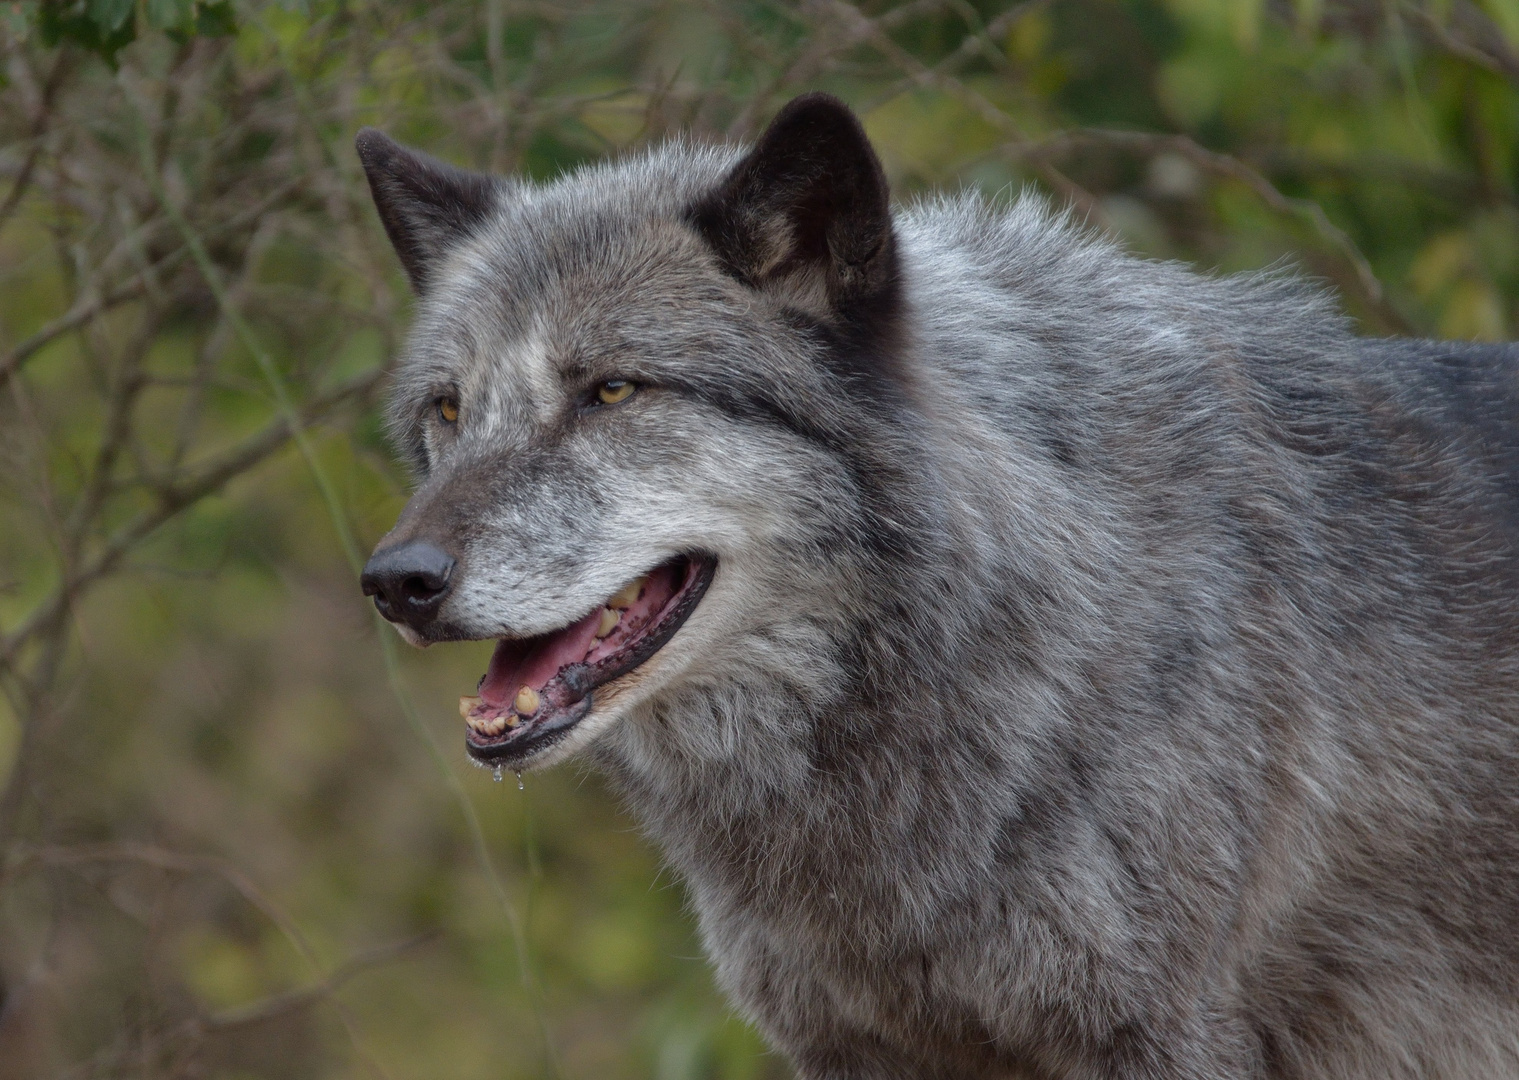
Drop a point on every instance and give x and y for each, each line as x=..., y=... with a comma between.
x=408, y=581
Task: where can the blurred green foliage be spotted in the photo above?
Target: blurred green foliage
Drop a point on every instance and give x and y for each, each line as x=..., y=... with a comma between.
x=107, y=26
x=238, y=837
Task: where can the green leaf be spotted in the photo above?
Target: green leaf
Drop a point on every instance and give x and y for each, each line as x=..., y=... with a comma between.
x=60, y=21
x=170, y=14
x=1506, y=14
x=215, y=20
x=111, y=15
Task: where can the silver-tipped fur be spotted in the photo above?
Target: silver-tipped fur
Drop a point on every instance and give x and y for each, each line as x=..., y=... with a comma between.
x=1109, y=670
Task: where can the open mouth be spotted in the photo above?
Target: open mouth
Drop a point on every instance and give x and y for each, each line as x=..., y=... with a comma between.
x=538, y=688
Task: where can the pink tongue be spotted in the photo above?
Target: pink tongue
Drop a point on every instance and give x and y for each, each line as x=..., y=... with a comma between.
x=511, y=669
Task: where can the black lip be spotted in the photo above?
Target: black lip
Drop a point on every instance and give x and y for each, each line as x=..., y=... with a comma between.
x=570, y=694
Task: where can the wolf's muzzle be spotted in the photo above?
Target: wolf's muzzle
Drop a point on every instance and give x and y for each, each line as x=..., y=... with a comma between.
x=408, y=581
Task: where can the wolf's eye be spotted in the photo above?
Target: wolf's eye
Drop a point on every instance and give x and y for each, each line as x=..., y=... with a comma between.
x=614, y=390
x=448, y=410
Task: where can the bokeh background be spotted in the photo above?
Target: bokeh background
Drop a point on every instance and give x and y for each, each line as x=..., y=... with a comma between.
x=238, y=833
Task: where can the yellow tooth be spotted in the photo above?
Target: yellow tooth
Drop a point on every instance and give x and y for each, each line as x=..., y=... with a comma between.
x=512, y=719
x=608, y=622
x=626, y=596
x=494, y=726
x=526, y=701
x=466, y=704
x=476, y=723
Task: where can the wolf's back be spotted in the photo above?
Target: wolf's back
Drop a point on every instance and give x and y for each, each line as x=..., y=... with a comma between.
x=1317, y=566
x=1469, y=394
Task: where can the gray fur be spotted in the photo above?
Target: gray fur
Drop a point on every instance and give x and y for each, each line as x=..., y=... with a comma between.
x=1122, y=682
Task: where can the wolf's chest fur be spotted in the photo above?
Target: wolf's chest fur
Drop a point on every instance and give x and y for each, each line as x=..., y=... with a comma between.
x=1035, y=660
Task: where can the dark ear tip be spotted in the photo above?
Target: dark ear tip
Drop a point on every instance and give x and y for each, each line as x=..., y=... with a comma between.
x=817, y=109
x=373, y=146
x=816, y=99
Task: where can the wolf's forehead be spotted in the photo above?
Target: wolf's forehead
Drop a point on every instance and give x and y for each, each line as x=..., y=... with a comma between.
x=512, y=312
x=560, y=273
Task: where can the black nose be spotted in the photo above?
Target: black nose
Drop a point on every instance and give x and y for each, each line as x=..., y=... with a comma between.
x=408, y=581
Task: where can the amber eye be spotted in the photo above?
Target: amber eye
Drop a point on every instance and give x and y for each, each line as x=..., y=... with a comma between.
x=614, y=390
x=448, y=409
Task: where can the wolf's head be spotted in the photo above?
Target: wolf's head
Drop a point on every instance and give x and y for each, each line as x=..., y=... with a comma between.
x=642, y=403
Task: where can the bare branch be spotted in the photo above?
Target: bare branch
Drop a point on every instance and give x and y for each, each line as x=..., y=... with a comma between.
x=1233, y=168
x=90, y=306
x=73, y=319
x=269, y=1008
x=164, y=859
x=823, y=50
x=50, y=88
x=116, y=436
x=1020, y=146
x=920, y=73
x=1500, y=61
x=982, y=43
x=172, y=499
x=276, y=1005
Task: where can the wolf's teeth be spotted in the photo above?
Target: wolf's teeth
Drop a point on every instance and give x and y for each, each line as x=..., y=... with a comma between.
x=466, y=704
x=489, y=726
x=627, y=596
x=527, y=700
x=608, y=622
x=512, y=719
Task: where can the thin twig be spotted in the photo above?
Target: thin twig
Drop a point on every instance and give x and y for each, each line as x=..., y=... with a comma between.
x=1501, y=61
x=1019, y=145
x=90, y=306
x=276, y=1005
x=173, y=498
x=1224, y=165
x=81, y=313
x=972, y=45
x=50, y=87
x=269, y=1008
x=823, y=50
x=923, y=75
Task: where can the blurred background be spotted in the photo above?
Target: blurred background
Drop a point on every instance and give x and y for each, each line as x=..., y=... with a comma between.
x=239, y=836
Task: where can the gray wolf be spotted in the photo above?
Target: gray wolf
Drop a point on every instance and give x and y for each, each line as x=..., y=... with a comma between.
x=1035, y=660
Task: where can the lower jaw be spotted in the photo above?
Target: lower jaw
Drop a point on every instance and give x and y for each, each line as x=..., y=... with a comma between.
x=533, y=743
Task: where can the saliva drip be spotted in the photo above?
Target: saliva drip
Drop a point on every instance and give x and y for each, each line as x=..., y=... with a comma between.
x=520, y=786
x=497, y=773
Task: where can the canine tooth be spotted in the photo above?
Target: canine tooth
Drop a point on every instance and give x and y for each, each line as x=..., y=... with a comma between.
x=527, y=700
x=467, y=703
x=626, y=596
x=608, y=622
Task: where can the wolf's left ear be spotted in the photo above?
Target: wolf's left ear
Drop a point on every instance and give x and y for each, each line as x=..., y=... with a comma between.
x=808, y=205
x=427, y=205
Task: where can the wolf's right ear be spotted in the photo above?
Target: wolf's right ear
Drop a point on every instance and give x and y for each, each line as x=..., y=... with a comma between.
x=426, y=205
x=807, y=207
